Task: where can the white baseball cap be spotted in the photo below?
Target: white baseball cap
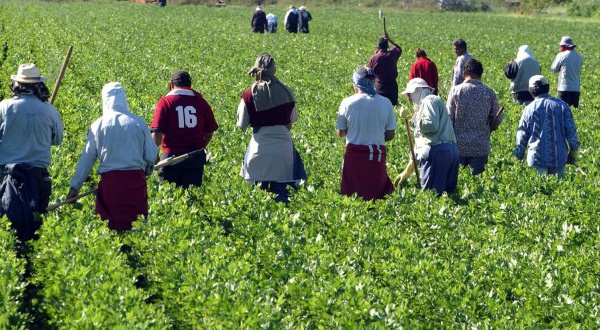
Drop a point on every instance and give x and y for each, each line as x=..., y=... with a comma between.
x=537, y=80
x=413, y=84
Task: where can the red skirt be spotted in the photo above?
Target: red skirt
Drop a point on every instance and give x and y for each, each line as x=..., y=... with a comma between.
x=364, y=172
x=122, y=196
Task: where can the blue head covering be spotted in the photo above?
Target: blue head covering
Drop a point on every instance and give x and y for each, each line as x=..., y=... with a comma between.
x=364, y=79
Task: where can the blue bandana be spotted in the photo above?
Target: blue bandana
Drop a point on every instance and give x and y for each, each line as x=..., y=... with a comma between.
x=364, y=79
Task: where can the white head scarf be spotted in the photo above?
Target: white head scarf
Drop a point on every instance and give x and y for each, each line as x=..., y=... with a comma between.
x=114, y=99
x=419, y=94
x=524, y=52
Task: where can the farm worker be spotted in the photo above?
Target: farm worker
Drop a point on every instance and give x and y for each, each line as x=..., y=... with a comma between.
x=366, y=119
x=291, y=20
x=305, y=17
x=567, y=64
x=435, y=142
x=183, y=123
x=269, y=107
x=271, y=23
x=259, y=20
x=462, y=56
x=28, y=127
x=474, y=112
x=384, y=64
x=546, y=129
x=424, y=68
x=124, y=146
x=519, y=70
x=162, y=3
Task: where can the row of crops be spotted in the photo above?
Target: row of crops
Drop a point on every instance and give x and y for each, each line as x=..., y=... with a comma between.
x=509, y=248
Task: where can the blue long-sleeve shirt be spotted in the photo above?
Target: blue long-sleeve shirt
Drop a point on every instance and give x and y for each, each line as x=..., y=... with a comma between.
x=546, y=129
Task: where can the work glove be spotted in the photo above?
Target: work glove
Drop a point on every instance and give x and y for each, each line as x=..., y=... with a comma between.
x=410, y=168
x=572, y=157
x=405, y=112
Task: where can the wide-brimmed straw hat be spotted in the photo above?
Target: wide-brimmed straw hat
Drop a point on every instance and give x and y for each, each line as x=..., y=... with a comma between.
x=413, y=84
x=28, y=74
x=567, y=41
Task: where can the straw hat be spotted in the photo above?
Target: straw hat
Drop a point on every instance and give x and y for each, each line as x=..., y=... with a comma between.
x=28, y=74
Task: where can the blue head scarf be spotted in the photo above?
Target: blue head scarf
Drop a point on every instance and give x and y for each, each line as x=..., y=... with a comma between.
x=364, y=79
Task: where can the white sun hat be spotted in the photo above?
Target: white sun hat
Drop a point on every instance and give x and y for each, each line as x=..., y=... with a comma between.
x=28, y=74
x=538, y=79
x=567, y=41
x=413, y=84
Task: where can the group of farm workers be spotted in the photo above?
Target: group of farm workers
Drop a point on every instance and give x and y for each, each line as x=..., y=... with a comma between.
x=295, y=20
x=446, y=135
x=457, y=133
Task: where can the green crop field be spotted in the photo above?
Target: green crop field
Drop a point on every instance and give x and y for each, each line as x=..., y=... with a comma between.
x=509, y=249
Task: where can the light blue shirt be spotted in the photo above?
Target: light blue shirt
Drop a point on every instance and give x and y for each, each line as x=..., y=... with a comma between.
x=28, y=127
x=568, y=66
x=546, y=128
x=119, y=139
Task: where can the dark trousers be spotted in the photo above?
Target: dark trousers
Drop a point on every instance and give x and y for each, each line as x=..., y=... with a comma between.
x=571, y=98
x=440, y=170
x=187, y=173
x=477, y=164
x=278, y=188
x=523, y=97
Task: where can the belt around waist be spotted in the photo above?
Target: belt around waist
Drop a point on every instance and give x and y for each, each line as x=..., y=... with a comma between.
x=442, y=142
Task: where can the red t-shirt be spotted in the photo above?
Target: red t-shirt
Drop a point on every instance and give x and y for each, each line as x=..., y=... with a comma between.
x=184, y=118
x=426, y=69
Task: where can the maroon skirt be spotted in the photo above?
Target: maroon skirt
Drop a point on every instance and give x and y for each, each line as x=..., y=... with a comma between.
x=364, y=172
x=122, y=196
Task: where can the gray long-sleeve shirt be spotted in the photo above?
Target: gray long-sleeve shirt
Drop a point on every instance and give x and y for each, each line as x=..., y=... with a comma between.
x=28, y=127
x=568, y=66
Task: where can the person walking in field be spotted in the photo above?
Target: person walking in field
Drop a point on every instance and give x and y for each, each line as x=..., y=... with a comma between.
x=291, y=20
x=269, y=108
x=271, y=23
x=519, y=70
x=462, y=56
x=425, y=68
x=366, y=119
x=121, y=141
x=568, y=64
x=547, y=130
x=183, y=123
x=29, y=126
x=474, y=112
x=384, y=64
x=304, y=18
x=435, y=142
x=259, y=21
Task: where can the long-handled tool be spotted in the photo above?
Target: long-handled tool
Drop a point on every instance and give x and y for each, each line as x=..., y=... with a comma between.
x=70, y=200
x=61, y=74
x=175, y=159
x=412, y=152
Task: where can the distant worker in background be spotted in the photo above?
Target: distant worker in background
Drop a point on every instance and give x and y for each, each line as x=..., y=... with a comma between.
x=567, y=64
x=366, y=119
x=305, y=17
x=183, y=123
x=547, y=130
x=384, y=64
x=121, y=141
x=162, y=3
x=259, y=20
x=29, y=126
x=271, y=23
x=269, y=107
x=424, y=68
x=474, y=112
x=519, y=70
x=462, y=56
x=291, y=20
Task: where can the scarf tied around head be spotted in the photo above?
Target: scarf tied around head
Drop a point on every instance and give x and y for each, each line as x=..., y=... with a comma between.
x=267, y=91
x=364, y=79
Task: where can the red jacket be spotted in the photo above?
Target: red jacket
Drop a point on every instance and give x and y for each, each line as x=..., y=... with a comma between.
x=426, y=69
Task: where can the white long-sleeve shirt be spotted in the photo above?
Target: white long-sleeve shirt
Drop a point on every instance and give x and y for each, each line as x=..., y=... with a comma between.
x=119, y=139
